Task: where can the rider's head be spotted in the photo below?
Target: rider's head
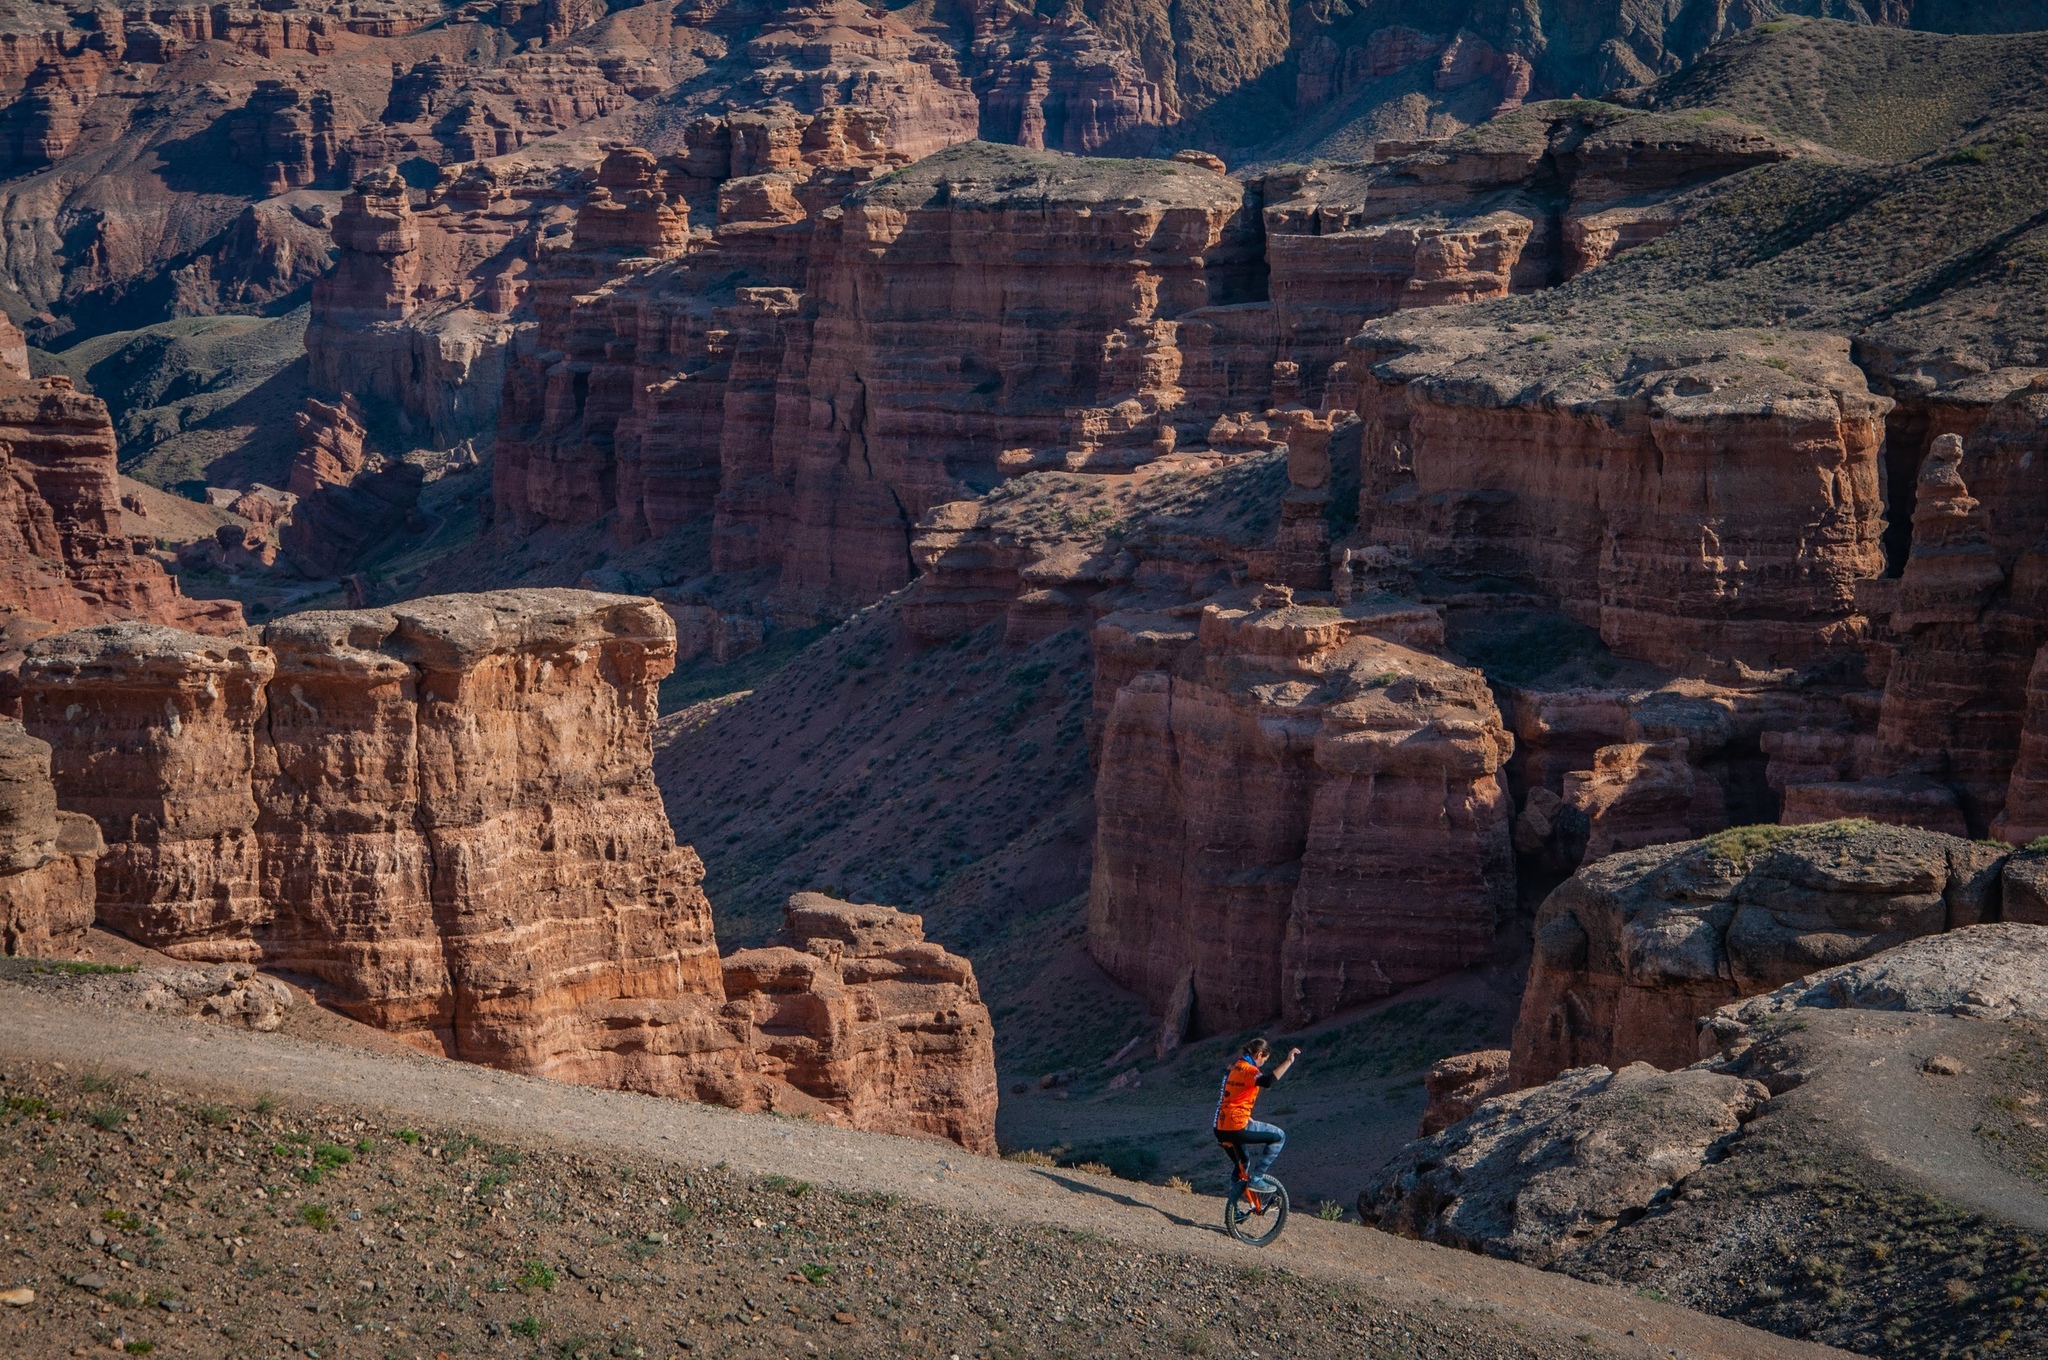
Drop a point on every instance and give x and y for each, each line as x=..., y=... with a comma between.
x=1258, y=1050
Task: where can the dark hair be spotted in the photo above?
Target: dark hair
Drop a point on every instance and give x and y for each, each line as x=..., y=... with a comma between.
x=1258, y=1047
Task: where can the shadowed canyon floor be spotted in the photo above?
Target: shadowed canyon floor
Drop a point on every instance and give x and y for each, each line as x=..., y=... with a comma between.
x=211, y=1165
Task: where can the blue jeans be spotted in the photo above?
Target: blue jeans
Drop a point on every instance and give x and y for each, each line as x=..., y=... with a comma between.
x=1259, y=1143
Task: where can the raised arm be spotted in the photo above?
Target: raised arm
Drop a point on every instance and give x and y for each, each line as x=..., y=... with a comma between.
x=1280, y=1068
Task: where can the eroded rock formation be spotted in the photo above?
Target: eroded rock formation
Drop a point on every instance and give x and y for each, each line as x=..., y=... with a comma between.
x=851, y=1005
x=445, y=812
x=1379, y=857
x=1449, y=416
x=46, y=856
x=1535, y=1174
x=1633, y=950
x=835, y=372
x=347, y=497
x=64, y=555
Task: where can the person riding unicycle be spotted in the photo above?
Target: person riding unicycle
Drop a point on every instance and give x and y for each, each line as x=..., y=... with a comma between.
x=1253, y=1146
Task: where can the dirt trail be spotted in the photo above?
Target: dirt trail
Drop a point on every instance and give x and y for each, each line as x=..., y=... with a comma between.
x=203, y=1057
x=1875, y=1081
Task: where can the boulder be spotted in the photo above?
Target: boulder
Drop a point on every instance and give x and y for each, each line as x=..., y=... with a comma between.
x=1532, y=1175
x=852, y=1006
x=232, y=993
x=1460, y=1084
x=1633, y=949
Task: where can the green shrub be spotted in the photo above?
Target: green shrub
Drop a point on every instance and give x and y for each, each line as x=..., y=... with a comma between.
x=108, y=1117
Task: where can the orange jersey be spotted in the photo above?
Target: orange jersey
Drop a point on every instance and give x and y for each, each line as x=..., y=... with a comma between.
x=1241, y=1086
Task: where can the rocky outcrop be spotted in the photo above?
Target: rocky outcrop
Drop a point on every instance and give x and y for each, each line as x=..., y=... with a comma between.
x=46, y=856
x=1517, y=206
x=348, y=498
x=1981, y=972
x=1535, y=1174
x=442, y=812
x=1297, y=814
x=1450, y=413
x=1460, y=1084
x=1635, y=948
x=445, y=813
x=230, y=993
x=852, y=1006
x=1892, y=1075
x=64, y=555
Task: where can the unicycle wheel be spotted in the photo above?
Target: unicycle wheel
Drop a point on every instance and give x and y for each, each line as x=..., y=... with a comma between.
x=1253, y=1216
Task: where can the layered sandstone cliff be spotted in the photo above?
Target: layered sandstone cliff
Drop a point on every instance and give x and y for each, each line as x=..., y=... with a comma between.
x=837, y=368
x=445, y=813
x=46, y=856
x=1636, y=520
x=852, y=1006
x=65, y=557
x=441, y=811
x=1379, y=854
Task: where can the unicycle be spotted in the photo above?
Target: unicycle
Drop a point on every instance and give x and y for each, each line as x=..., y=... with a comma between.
x=1255, y=1216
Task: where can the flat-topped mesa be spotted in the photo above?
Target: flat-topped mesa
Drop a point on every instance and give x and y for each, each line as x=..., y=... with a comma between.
x=1298, y=814
x=445, y=812
x=1634, y=949
x=963, y=316
x=853, y=1007
x=1529, y=200
x=46, y=856
x=1771, y=440
x=64, y=558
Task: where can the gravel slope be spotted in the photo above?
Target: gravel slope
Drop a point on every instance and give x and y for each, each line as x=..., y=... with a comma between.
x=1142, y=1268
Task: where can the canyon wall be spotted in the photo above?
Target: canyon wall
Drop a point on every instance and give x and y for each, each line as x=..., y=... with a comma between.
x=1375, y=855
x=65, y=557
x=445, y=813
x=46, y=856
x=828, y=366
x=835, y=357
x=1635, y=517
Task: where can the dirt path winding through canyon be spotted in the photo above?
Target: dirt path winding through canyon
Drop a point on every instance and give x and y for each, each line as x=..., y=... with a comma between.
x=43, y=1027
